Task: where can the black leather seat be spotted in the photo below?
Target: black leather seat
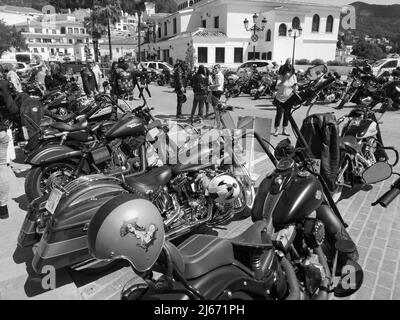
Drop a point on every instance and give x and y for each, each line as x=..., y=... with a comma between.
x=204, y=253
x=64, y=127
x=350, y=143
x=150, y=181
x=257, y=237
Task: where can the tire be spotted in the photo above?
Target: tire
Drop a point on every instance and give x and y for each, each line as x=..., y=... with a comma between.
x=36, y=186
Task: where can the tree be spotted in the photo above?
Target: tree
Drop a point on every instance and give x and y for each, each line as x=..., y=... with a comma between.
x=190, y=58
x=10, y=38
x=96, y=28
x=167, y=6
x=366, y=50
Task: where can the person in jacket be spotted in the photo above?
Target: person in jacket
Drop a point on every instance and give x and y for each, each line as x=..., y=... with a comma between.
x=200, y=87
x=179, y=82
x=217, y=87
x=286, y=85
x=8, y=112
x=98, y=75
x=13, y=77
x=54, y=78
x=144, y=81
x=89, y=79
x=123, y=80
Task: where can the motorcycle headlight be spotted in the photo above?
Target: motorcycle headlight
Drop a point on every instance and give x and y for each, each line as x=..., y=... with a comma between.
x=356, y=84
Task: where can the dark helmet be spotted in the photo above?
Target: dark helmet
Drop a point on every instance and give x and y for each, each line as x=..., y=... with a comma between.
x=121, y=60
x=284, y=149
x=127, y=227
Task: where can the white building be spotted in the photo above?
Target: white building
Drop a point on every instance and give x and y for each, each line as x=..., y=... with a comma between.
x=216, y=29
x=13, y=15
x=62, y=37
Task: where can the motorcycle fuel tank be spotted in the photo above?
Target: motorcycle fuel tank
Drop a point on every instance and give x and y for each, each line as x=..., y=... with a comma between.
x=293, y=198
x=130, y=126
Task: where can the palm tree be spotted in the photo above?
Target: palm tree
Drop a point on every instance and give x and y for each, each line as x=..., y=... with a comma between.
x=94, y=27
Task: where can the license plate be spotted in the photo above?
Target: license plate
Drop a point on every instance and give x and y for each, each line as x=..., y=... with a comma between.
x=54, y=199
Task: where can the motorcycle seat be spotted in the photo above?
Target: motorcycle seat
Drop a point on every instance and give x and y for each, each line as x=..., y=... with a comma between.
x=61, y=126
x=151, y=181
x=256, y=237
x=349, y=143
x=202, y=254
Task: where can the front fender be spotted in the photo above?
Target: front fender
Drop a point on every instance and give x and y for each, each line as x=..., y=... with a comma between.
x=53, y=154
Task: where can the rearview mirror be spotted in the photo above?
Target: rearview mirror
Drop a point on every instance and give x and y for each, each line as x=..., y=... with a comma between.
x=379, y=172
x=316, y=72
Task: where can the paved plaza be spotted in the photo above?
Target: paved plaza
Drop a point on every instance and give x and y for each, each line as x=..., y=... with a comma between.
x=376, y=230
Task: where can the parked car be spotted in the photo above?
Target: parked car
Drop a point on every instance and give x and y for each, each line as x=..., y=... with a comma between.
x=381, y=66
x=262, y=65
x=22, y=68
x=158, y=65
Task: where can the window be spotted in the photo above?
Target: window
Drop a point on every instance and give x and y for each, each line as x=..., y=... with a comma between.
x=63, y=31
x=159, y=31
x=202, y=54
x=204, y=23
x=158, y=54
x=238, y=56
x=76, y=30
x=70, y=30
x=220, y=55
x=79, y=41
x=175, y=26
x=42, y=50
x=38, y=30
x=152, y=66
x=315, y=23
x=264, y=56
x=165, y=29
x=296, y=23
x=35, y=50
x=216, y=22
x=54, y=31
x=82, y=31
x=282, y=30
x=269, y=55
x=46, y=40
x=117, y=49
x=252, y=56
x=66, y=51
x=268, y=36
x=166, y=55
x=71, y=41
x=390, y=64
x=329, y=24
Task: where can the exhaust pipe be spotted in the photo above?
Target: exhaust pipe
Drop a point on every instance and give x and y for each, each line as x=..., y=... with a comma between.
x=291, y=279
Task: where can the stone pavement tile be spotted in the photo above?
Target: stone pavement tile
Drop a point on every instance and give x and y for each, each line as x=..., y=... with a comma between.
x=369, y=233
x=105, y=293
x=371, y=224
x=376, y=254
x=365, y=293
x=372, y=265
x=391, y=254
x=395, y=234
x=358, y=224
x=396, y=294
x=382, y=293
x=382, y=233
x=394, y=244
x=354, y=232
x=389, y=266
x=385, y=280
x=364, y=241
x=369, y=279
x=379, y=243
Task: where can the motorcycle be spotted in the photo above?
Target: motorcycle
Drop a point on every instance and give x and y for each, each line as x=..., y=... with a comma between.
x=363, y=152
x=60, y=164
x=232, y=85
x=56, y=130
x=283, y=255
x=334, y=93
x=267, y=86
x=186, y=193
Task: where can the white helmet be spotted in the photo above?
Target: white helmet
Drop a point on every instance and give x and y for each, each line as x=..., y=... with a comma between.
x=224, y=189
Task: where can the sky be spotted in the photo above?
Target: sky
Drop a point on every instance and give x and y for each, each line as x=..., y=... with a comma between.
x=344, y=2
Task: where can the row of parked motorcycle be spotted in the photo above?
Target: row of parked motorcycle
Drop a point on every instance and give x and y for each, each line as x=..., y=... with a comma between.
x=359, y=84
x=100, y=193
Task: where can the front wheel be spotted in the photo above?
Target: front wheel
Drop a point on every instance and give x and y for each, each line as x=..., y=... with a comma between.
x=41, y=180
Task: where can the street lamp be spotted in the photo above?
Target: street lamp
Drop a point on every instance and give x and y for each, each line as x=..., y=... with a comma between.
x=255, y=29
x=295, y=33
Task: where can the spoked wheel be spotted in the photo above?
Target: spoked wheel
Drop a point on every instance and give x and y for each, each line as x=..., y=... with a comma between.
x=42, y=180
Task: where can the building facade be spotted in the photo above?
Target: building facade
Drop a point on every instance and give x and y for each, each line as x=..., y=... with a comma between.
x=215, y=29
x=60, y=38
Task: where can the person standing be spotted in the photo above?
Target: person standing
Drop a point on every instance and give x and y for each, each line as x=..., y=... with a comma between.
x=179, y=82
x=210, y=81
x=144, y=81
x=89, y=79
x=287, y=84
x=217, y=87
x=8, y=111
x=13, y=77
x=98, y=75
x=40, y=79
x=123, y=80
x=200, y=86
